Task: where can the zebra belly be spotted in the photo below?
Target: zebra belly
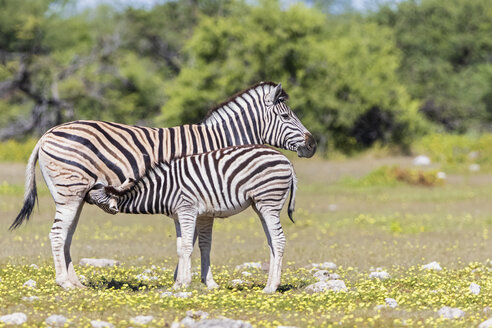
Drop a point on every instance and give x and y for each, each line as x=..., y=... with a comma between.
x=222, y=210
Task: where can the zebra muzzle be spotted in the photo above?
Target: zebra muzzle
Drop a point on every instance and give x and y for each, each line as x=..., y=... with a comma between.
x=309, y=148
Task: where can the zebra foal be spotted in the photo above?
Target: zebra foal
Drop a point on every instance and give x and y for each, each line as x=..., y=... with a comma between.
x=197, y=188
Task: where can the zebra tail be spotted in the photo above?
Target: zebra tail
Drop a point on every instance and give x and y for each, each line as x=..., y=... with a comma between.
x=30, y=195
x=292, y=199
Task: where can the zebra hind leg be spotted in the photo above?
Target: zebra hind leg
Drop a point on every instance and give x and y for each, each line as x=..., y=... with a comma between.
x=204, y=227
x=276, y=241
x=65, y=223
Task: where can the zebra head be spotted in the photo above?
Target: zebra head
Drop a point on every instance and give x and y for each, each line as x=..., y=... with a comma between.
x=283, y=128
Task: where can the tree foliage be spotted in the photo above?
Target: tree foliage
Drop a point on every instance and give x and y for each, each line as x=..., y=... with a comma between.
x=355, y=79
x=341, y=76
x=447, y=57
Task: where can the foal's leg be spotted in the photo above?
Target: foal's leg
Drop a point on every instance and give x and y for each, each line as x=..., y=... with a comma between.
x=276, y=241
x=179, y=243
x=187, y=223
x=204, y=228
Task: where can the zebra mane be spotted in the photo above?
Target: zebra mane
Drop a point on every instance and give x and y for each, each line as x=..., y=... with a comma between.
x=238, y=94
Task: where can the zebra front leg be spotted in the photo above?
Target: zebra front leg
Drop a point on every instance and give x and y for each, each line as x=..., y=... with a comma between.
x=187, y=223
x=276, y=241
x=66, y=219
x=179, y=243
x=204, y=227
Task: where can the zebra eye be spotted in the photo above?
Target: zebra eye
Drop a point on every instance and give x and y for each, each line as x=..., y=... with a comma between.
x=285, y=116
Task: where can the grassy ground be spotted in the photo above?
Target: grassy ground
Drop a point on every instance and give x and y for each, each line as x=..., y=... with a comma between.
x=396, y=228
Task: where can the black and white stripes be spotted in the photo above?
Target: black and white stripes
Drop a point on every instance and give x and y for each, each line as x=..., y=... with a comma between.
x=220, y=183
x=76, y=158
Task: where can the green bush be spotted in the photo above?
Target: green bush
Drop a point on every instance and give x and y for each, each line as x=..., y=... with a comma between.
x=394, y=175
x=457, y=152
x=341, y=74
x=15, y=151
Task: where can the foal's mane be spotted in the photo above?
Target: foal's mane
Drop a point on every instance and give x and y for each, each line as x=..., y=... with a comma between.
x=218, y=106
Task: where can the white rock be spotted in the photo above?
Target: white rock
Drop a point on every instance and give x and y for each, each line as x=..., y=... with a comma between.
x=30, y=298
x=332, y=207
x=473, y=154
x=56, y=320
x=17, y=318
x=474, y=167
x=325, y=265
x=381, y=275
x=167, y=294
x=142, y=276
x=246, y=273
x=216, y=323
x=326, y=285
x=182, y=294
x=474, y=289
x=321, y=275
x=99, y=262
x=249, y=265
x=486, y=324
x=34, y=266
x=421, y=160
x=432, y=266
x=30, y=283
x=142, y=319
x=325, y=275
x=197, y=314
x=101, y=324
x=147, y=271
x=391, y=302
x=187, y=322
x=441, y=175
x=450, y=313
x=237, y=282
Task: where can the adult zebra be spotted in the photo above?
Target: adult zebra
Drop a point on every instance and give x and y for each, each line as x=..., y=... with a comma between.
x=76, y=156
x=194, y=189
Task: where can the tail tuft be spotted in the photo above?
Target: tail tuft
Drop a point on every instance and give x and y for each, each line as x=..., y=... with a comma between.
x=26, y=210
x=31, y=194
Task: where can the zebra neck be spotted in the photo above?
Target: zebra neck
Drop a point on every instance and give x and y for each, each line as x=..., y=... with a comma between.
x=187, y=140
x=236, y=125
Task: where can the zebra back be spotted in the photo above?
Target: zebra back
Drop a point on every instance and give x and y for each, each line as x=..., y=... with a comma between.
x=222, y=180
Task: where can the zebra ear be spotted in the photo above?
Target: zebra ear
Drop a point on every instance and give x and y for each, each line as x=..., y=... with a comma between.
x=274, y=95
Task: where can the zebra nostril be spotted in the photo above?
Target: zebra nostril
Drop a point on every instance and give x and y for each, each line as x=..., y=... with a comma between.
x=310, y=142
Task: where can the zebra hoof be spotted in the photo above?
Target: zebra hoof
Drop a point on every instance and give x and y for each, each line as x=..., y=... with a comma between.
x=269, y=290
x=212, y=285
x=66, y=284
x=179, y=285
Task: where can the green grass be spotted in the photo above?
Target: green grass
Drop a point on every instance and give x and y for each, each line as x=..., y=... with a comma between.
x=396, y=227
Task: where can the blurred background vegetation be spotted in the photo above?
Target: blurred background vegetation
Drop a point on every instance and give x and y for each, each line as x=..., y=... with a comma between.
x=385, y=75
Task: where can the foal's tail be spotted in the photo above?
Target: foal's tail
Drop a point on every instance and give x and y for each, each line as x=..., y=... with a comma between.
x=292, y=199
x=30, y=195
